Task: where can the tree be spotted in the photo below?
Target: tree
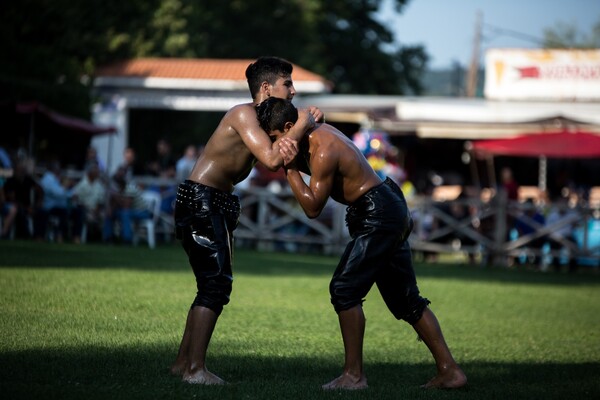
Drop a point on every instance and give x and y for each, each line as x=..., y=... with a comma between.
x=348, y=50
x=56, y=45
x=568, y=36
x=52, y=47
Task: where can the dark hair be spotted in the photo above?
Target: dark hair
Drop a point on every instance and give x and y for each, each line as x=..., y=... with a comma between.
x=274, y=112
x=266, y=69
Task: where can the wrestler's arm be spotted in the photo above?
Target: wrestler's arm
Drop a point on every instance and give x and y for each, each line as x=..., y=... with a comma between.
x=313, y=197
x=306, y=120
x=245, y=122
x=298, y=160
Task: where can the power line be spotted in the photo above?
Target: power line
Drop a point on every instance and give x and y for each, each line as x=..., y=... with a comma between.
x=515, y=34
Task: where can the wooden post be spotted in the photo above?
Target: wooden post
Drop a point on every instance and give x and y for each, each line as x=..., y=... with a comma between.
x=499, y=251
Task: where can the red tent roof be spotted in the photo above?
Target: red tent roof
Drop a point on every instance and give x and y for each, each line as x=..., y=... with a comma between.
x=552, y=145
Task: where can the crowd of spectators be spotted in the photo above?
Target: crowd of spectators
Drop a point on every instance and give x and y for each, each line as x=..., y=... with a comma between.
x=45, y=203
x=48, y=201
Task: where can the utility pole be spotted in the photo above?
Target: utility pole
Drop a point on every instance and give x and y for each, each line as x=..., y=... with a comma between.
x=472, y=76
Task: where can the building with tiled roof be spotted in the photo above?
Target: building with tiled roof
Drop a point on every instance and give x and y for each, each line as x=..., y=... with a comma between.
x=203, y=85
x=194, y=73
x=189, y=84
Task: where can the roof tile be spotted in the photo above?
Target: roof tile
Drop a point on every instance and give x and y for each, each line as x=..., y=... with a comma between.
x=191, y=68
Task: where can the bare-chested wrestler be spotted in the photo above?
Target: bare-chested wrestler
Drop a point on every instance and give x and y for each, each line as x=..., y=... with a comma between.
x=379, y=223
x=206, y=211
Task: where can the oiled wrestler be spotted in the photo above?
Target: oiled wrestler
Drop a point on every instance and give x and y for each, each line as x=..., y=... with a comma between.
x=379, y=224
x=206, y=211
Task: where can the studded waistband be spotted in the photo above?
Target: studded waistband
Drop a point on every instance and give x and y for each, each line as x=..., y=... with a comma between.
x=204, y=198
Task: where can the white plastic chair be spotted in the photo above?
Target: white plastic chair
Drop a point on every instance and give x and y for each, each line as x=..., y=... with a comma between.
x=147, y=227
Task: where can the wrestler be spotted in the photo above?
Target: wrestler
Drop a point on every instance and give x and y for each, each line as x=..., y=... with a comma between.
x=206, y=211
x=379, y=224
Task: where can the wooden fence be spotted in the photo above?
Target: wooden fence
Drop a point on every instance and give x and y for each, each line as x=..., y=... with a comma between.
x=470, y=226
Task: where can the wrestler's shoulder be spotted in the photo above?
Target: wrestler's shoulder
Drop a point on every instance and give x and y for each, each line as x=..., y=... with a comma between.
x=241, y=109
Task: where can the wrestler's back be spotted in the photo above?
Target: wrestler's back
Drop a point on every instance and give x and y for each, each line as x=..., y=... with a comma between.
x=353, y=176
x=225, y=160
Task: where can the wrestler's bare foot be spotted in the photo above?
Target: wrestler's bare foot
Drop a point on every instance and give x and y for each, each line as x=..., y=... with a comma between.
x=203, y=377
x=453, y=378
x=348, y=382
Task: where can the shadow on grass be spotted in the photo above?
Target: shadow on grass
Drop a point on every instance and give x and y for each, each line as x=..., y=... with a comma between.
x=131, y=373
x=171, y=257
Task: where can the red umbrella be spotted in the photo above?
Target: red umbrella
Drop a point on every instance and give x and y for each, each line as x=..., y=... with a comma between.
x=550, y=145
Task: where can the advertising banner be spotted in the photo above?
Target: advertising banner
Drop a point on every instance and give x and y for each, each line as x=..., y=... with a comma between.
x=542, y=74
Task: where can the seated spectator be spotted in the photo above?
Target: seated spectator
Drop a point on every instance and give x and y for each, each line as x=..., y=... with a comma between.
x=186, y=163
x=126, y=205
x=563, y=233
x=528, y=224
x=90, y=193
x=8, y=212
x=460, y=212
x=91, y=156
x=22, y=190
x=130, y=164
x=163, y=165
x=57, y=203
x=6, y=162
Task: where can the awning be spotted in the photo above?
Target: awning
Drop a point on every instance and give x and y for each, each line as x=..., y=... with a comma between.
x=70, y=123
x=456, y=118
x=562, y=144
x=42, y=132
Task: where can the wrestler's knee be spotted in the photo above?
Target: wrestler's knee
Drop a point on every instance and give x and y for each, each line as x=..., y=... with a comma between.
x=213, y=290
x=344, y=298
x=412, y=309
x=212, y=298
x=340, y=305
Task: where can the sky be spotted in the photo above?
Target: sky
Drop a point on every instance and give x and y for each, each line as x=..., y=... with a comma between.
x=446, y=28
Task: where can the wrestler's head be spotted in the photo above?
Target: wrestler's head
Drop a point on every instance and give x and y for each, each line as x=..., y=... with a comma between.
x=272, y=76
x=276, y=116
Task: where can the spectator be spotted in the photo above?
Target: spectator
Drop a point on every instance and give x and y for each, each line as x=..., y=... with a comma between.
x=508, y=184
x=5, y=160
x=460, y=212
x=164, y=164
x=562, y=235
x=57, y=203
x=8, y=212
x=509, y=195
x=130, y=164
x=90, y=193
x=126, y=205
x=91, y=155
x=22, y=190
x=186, y=163
x=528, y=224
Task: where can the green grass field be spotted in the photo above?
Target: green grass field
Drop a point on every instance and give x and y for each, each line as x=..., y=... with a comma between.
x=104, y=322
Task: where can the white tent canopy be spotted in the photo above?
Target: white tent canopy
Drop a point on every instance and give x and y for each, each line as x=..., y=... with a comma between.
x=457, y=118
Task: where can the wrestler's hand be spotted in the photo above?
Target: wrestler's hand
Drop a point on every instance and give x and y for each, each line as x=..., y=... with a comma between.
x=316, y=113
x=305, y=123
x=288, y=148
x=306, y=120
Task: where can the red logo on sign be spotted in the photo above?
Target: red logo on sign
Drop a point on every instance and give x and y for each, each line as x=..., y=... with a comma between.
x=529, y=72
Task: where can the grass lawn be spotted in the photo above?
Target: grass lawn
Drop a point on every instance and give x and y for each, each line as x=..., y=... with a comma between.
x=104, y=322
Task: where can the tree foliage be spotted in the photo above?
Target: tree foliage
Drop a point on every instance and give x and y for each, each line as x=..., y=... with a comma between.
x=52, y=47
x=569, y=36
